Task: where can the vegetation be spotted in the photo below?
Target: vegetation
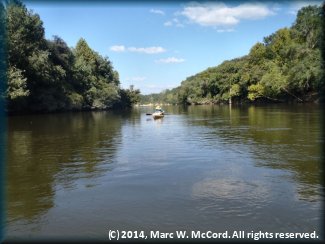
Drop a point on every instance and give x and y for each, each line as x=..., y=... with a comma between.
x=285, y=66
x=46, y=75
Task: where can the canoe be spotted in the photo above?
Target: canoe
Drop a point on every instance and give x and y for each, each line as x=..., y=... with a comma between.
x=157, y=115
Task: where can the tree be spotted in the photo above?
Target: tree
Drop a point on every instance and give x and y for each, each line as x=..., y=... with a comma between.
x=234, y=90
x=3, y=57
x=17, y=91
x=255, y=91
x=98, y=82
x=308, y=26
x=47, y=75
x=257, y=53
x=273, y=82
x=61, y=55
x=285, y=66
x=305, y=73
x=26, y=35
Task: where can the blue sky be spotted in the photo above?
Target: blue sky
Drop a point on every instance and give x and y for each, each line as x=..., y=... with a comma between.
x=156, y=45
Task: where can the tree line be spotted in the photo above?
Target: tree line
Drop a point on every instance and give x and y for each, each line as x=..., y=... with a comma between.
x=46, y=75
x=286, y=66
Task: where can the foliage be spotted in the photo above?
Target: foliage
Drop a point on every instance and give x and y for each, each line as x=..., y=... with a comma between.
x=17, y=84
x=129, y=96
x=255, y=91
x=285, y=66
x=46, y=75
x=234, y=90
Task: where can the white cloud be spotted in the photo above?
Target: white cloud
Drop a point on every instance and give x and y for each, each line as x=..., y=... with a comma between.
x=174, y=22
x=136, y=78
x=296, y=6
x=147, y=50
x=157, y=11
x=117, y=48
x=225, y=30
x=168, y=23
x=219, y=14
x=170, y=60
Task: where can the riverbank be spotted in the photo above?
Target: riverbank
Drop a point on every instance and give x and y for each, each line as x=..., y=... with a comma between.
x=312, y=97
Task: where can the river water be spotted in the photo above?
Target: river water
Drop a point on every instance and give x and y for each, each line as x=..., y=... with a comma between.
x=218, y=168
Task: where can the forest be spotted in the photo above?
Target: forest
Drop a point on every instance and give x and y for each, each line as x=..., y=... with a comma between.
x=46, y=75
x=287, y=66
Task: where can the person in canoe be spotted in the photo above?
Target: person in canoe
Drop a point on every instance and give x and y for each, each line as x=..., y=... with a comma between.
x=159, y=109
x=159, y=113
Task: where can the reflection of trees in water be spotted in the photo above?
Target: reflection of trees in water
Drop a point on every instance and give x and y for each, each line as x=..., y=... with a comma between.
x=130, y=116
x=280, y=137
x=44, y=151
x=292, y=138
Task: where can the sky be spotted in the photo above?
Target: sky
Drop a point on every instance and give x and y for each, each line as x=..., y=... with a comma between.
x=155, y=45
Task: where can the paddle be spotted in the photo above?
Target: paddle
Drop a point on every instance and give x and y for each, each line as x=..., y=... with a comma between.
x=151, y=114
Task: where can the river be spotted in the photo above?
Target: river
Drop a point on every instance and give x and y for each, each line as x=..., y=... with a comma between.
x=218, y=168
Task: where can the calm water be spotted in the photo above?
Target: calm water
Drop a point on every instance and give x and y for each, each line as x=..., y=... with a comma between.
x=199, y=168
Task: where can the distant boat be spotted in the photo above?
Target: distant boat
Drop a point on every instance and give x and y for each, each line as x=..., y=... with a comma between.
x=159, y=113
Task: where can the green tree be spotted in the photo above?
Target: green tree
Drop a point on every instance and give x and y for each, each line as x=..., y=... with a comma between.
x=305, y=74
x=235, y=90
x=98, y=82
x=3, y=61
x=257, y=53
x=17, y=88
x=46, y=75
x=308, y=26
x=255, y=91
x=25, y=34
x=26, y=37
x=286, y=66
x=273, y=81
x=61, y=55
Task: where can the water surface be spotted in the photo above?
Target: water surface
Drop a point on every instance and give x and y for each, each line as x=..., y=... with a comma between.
x=252, y=168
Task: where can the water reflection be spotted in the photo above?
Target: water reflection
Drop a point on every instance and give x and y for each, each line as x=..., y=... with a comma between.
x=47, y=152
x=200, y=167
x=278, y=137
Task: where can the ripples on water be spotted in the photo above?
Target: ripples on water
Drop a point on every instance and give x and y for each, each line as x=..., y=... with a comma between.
x=198, y=168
